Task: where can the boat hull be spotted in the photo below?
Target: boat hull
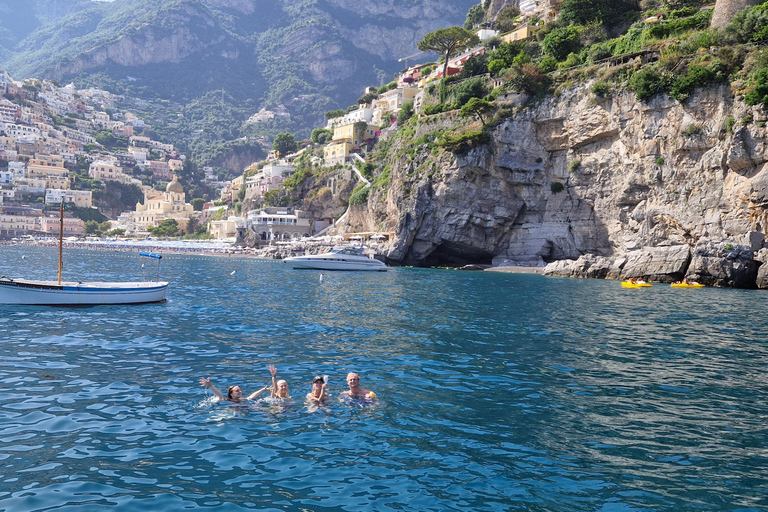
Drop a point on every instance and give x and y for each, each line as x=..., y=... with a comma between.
x=310, y=263
x=50, y=293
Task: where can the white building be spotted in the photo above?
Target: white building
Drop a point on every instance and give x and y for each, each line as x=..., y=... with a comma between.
x=6, y=177
x=361, y=114
x=268, y=178
x=279, y=224
x=485, y=33
x=223, y=229
x=81, y=198
x=20, y=131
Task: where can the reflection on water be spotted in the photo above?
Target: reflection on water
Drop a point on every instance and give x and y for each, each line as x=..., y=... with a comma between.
x=497, y=392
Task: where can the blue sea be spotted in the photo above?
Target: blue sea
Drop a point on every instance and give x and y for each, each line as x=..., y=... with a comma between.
x=496, y=392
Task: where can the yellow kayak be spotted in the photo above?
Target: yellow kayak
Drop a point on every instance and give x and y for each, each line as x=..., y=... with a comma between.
x=685, y=285
x=627, y=284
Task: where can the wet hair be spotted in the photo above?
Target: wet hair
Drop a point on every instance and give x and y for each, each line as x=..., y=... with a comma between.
x=317, y=379
x=229, y=391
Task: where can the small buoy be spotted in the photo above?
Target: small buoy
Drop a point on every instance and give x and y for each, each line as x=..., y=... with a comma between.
x=321, y=278
x=371, y=395
x=23, y=257
x=233, y=272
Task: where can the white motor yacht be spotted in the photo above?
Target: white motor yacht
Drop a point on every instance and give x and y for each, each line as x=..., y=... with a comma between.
x=340, y=258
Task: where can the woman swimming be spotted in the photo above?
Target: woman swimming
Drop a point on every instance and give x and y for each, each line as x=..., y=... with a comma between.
x=279, y=387
x=234, y=393
x=319, y=387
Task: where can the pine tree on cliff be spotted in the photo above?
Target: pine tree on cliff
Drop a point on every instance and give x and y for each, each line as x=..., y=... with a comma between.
x=448, y=42
x=726, y=9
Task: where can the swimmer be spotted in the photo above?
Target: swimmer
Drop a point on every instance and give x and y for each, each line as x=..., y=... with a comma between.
x=319, y=386
x=279, y=387
x=234, y=393
x=355, y=391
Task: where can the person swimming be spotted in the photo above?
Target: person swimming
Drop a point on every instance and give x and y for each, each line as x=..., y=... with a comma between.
x=355, y=391
x=234, y=393
x=279, y=387
x=319, y=387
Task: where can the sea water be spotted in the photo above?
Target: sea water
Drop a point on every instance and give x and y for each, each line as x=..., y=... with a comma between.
x=495, y=392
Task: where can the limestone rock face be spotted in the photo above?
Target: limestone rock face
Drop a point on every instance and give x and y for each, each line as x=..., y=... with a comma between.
x=762, y=272
x=570, y=176
x=660, y=264
x=496, y=6
x=723, y=264
x=586, y=266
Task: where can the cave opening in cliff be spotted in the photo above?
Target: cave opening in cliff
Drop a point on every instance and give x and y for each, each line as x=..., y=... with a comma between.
x=451, y=254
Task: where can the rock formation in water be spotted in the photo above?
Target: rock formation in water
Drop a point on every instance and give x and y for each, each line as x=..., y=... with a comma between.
x=623, y=188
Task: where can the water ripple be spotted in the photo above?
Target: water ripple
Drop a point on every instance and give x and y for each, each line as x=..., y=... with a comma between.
x=497, y=392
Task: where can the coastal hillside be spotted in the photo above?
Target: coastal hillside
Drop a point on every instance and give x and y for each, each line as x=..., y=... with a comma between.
x=299, y=59
x=642, y=154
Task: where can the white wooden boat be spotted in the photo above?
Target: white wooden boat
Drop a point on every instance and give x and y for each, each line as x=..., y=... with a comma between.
x=340, y=258
x=53, y=293
x=58, y=293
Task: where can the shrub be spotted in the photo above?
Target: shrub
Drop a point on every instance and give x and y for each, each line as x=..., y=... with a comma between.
x=759, y=93
x=548, y=64
x=696, y=76
x=574, y=165
x=556, y=187
x=437, y=109
x=647, y=84
x=729, y=122
x=693, y=129
x=561, y=41
x=600, y=88
x=464, y=142
x=598, y=52
x=382, y=180
x=527, y=78
x=660, y=161
x=495, y=66
x=749, y=25
x=359, y=195
x=475, y=65
x=673, y=27
x=472, y=88
x=386, y=87
x=406, y=111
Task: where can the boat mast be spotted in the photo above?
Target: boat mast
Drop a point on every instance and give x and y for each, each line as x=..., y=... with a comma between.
x=61, y=234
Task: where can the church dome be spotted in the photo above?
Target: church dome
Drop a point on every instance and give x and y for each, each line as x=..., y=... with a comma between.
x=175, y=187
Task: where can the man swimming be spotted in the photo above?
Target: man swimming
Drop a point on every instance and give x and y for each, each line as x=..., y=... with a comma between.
x=355, y=391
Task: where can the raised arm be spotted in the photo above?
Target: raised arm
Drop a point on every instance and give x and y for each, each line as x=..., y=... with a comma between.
x=257, y=394
x=208, y=384
x=273, y=371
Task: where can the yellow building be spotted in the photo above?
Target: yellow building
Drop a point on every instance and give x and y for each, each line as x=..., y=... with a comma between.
x=518, y=35
x=175, y=165
x=347, y=132
x=336, y=152
x=103, y=170
x=44, y=171
x=171, y=205
x=16, y=221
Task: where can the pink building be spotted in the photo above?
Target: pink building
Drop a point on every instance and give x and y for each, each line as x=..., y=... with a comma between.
x=72, y=226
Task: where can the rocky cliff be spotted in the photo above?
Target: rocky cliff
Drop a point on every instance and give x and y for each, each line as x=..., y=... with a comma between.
x=576, y=174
